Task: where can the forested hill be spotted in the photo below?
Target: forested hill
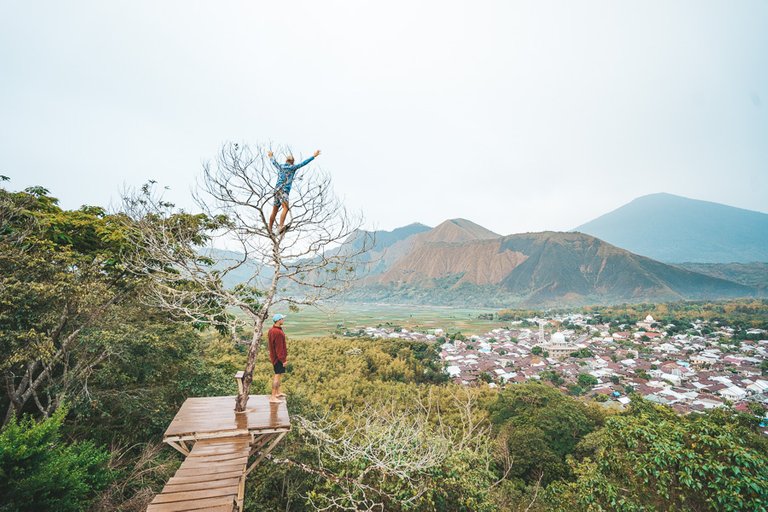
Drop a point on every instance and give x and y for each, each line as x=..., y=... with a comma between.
x=750, y=274
x=677, y=229
x=93, y=375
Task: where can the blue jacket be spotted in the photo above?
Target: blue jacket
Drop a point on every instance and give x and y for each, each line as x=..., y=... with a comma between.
x=286, y=172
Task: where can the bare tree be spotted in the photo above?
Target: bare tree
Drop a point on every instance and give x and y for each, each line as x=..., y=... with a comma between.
x=384, y=456
x=300, y=266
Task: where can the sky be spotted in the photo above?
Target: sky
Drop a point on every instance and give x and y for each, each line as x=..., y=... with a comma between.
x=520, y=116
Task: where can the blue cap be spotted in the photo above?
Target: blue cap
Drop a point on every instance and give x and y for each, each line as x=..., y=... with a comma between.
x=277, y=318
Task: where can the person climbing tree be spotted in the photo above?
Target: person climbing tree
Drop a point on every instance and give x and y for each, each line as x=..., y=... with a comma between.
x=235, y=196
x=286, y=173
x=278, y=354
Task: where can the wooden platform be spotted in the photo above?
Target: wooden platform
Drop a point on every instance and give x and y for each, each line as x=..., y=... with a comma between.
x=218, y=444
x=211, y=478
x=212, y=417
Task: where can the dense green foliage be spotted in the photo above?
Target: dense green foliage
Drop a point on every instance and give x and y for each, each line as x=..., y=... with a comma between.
x=540, y=426
x=652, y=459
x=736, y=313
x=38, y=471
x=742, y=313
x=375, y=421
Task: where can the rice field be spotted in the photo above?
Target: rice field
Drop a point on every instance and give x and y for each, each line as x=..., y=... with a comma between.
x=311, y=322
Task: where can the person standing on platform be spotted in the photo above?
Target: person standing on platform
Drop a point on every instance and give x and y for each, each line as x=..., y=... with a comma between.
x=278, y=354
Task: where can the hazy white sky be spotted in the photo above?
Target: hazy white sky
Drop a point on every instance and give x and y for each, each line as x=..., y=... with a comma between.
x=520, y=116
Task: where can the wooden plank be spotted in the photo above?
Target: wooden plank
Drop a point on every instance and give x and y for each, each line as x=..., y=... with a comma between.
x=209, y=470
x=205, y=504
x=217, y=450
x=218, y=457
x=205, y=484
x=199, y=462
x=188, y=479
x=206, y=445
x=171, y=497
x=223, y=441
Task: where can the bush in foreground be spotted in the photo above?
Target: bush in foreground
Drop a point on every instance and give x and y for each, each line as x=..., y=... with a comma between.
x=40, y=472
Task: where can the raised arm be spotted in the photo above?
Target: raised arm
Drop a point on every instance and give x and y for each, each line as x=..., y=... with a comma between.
x=305, y=162
x=272, y=159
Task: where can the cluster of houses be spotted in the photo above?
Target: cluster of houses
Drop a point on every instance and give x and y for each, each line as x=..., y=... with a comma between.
x=688, y=372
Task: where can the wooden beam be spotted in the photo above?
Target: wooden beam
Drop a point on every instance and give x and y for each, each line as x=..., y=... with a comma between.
x=181, y=449
x=265, y=452
x=263, y=439
x=223, y=433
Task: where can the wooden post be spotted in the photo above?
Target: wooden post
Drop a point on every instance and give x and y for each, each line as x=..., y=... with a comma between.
x=239, y=379
x=241, y=492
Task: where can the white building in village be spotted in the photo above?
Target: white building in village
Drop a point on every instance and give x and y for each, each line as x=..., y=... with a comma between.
x=558, y=346
x=647, y=323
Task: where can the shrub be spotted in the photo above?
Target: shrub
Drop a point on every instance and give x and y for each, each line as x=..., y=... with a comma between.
x=40, y=472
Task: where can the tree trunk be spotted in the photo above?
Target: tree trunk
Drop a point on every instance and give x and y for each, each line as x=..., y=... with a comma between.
x=253, y=351
x=258, y=329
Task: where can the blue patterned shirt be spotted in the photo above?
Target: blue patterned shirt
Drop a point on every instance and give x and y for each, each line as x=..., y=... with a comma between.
x=286, y=172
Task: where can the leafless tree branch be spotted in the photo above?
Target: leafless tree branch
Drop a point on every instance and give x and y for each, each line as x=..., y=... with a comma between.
x=236, y=197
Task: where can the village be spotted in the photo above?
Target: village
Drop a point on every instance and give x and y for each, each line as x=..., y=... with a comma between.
x=701, y=368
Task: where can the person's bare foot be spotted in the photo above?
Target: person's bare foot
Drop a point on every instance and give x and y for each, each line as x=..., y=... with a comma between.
x=281, y=395
x=274, y=400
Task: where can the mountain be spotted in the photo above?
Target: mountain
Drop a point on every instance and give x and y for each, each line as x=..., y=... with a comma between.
x=575, y=267
x=750, y=274
x=384, y=239
x=456, y=231
x=677, y=229
x=388, y=247
x=245, y=271
x=548, y=268
x=461, y=263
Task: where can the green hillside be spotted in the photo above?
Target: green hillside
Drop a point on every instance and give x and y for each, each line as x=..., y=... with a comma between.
x=750, y=274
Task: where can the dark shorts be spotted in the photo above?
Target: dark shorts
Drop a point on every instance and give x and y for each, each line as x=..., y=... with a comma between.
x=279, y=368
x=281, y=196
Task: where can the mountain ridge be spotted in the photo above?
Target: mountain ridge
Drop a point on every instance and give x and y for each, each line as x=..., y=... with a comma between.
x=537, y=268
x=461, y=262
x=676, y=229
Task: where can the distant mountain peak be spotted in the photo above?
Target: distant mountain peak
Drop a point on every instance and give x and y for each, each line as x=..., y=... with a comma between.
x=676, y=229
x=456, y=231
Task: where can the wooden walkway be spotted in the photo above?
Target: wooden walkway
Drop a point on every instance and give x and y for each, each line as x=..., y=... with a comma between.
x=218, y=444
x=211, y=478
